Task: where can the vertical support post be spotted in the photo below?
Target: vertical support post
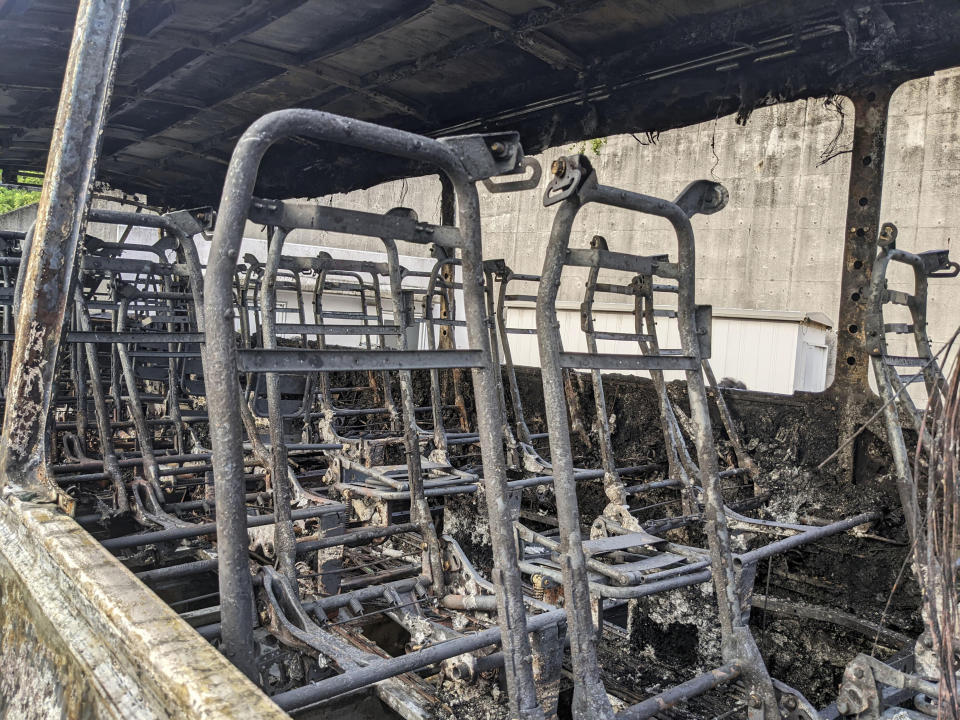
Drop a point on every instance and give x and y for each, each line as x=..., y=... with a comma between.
x=511, y=612
x=284, y=535
x=851, y=377
x=448, y=216
x=48, y=268
x=860, y=244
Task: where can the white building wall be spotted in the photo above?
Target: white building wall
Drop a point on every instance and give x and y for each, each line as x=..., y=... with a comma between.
x=813, y=357
x=778, y=353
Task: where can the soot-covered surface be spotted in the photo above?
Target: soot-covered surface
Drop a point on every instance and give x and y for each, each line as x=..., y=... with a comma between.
x=858, y=582
x=674, y=636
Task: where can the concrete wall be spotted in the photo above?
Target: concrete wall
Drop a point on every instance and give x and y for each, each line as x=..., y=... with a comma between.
x=20, y=219
x=778, y=245
x=23, y=217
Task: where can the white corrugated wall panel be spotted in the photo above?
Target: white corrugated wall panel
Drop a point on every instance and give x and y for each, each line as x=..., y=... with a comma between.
x=764, y=354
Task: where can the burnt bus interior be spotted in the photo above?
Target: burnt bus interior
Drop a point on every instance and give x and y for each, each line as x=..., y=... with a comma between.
x=374, y=510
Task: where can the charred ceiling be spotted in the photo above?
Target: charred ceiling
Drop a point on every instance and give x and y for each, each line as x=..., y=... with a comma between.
x=193, y=76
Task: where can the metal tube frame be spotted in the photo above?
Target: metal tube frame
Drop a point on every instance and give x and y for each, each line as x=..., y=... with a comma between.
x=220, y=360
x=578, y=187
x=892, y=387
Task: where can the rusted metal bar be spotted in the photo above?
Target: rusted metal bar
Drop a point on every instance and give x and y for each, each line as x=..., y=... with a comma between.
x=201, y=529
x=574, y=186
x=352, y=538
x=681, y=693
x=100, y=405
x=285, y=538
x=448, y=216
x=867, y=628
x=419, y=510
x=612, y=484
x=151, y=469
x=442, y=275
x=47, y=285
x=729, y=423
x=305, y=697
x=850, y=382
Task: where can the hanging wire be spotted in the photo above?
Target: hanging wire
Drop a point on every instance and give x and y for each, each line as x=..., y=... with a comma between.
x=834, y=148
x=945, y=350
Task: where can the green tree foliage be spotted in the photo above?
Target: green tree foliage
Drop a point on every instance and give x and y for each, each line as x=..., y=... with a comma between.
x=12, y=198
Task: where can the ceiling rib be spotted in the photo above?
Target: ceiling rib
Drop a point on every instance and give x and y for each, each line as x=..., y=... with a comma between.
x=458, y=66
x=532, y=41
x=523, y=25
x=234, y=30
x=285, y=63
